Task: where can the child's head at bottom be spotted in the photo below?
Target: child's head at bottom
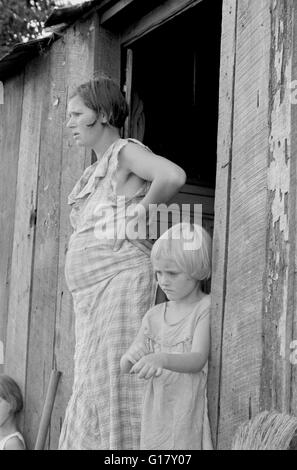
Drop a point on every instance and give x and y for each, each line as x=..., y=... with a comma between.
x=181, y=258
x=11, y=400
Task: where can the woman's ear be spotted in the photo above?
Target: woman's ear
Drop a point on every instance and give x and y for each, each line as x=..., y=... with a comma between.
x=103, y=118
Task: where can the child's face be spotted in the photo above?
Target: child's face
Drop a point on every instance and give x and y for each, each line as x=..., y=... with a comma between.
x=176, y=284
x=5, y=410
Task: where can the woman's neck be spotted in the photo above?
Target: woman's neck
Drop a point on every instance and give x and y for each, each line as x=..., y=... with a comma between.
x=110, y=136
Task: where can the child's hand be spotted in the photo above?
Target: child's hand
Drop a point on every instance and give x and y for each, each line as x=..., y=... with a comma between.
x=149, y=366
x=136, y=352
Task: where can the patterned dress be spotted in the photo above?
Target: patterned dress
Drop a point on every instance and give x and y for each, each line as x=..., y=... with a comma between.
x=175, y=414
x=112, y=289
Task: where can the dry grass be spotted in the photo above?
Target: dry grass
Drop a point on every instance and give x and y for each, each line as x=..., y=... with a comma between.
x=268, y=430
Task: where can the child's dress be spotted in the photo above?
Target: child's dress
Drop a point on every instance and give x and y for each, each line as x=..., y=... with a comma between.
x=6, y=439
x=175, y=406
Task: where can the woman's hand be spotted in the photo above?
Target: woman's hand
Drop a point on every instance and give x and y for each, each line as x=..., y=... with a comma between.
x=149, y=366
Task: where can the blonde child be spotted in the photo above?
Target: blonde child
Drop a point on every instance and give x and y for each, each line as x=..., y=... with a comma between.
x=172, y=346
x=11, y=403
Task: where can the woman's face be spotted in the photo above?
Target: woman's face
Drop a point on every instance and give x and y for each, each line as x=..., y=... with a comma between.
x=86, y=127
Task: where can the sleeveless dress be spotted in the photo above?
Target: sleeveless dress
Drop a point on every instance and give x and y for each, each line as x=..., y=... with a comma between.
x=6, y=439
x=112, y=289
x=175, y=414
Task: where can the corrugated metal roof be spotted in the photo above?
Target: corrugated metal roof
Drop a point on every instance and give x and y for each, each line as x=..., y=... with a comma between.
x=60, y=18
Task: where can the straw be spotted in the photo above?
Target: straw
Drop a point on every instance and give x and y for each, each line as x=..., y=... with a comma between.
x=268, y=430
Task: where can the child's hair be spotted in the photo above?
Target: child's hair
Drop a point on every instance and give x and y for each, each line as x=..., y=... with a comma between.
x=102, y=94
x=10, y=391
x=189, y=245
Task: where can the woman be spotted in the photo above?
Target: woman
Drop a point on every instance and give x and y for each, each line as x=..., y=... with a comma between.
x=108, y=273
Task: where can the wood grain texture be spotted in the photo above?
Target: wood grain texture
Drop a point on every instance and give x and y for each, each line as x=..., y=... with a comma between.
x=222, y=209
x=279, y=311
x=167, y=10
x=114, y=10
x=45, y=271
x=107, y=54
x=242, y=328
x=293, y=257
x=10, y=118
x=79, y=44
x=24, y=224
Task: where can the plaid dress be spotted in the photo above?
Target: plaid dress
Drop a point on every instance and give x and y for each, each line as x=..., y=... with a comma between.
x=112, y=289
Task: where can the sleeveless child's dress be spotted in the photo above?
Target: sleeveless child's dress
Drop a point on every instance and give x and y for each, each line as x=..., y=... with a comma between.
x=4, y=441
x=175, y=414
x=112, y=289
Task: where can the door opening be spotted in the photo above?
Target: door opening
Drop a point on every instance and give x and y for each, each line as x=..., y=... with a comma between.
x=172, y=76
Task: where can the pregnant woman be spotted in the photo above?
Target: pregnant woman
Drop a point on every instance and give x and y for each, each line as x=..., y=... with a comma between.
x=108, y=272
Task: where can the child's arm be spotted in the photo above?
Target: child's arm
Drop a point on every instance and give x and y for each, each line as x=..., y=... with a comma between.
x=192, y=362
x=136, y=351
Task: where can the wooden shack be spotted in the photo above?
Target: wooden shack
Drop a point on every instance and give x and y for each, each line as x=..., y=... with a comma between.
x=214, y=79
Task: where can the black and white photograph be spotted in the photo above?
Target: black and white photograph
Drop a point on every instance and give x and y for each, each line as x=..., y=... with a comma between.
x=148, y=227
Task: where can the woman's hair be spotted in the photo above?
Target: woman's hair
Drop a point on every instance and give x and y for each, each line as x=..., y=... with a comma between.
x=102, y=94
x=189, y=246
x=10, y=391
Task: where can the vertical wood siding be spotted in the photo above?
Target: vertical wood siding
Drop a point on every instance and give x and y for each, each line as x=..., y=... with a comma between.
x=254, y=265
x=10, y=124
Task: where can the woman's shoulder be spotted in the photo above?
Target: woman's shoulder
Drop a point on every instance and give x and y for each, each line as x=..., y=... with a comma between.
x=130, y=148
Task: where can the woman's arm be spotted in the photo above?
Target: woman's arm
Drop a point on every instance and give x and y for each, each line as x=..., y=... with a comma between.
x=166, y=177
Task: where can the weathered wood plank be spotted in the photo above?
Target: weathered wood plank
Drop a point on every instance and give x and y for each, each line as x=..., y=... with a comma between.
x=24, y=226
x=293, y=190
x=44, y=289
x=107, y=54
x=114, y=10
x=79, y=49
x=242, y=329
x=222, y=208
x=279, y=289
x=155, y=18
x=128, y=89
x=10, y=118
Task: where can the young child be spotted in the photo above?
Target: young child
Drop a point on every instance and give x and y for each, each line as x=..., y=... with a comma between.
x=172, y=346
x=11, y=403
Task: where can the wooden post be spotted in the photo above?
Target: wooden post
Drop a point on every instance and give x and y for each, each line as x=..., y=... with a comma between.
x=128, y=90
x=222, y=206
x=10, y=118
x=245, y=251
x=47, y=409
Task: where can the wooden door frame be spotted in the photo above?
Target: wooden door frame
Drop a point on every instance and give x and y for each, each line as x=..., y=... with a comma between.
x=160, y=15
